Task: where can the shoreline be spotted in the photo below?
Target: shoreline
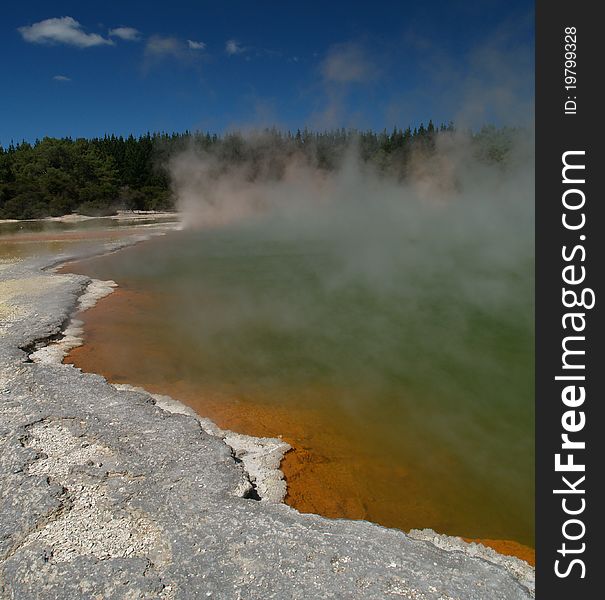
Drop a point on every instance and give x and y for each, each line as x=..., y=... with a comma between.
x=325, y=478
x=515, y=578
x=261, y=457
x=119, y=216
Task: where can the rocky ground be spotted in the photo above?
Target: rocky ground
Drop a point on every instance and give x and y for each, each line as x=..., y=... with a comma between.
x=107, y=492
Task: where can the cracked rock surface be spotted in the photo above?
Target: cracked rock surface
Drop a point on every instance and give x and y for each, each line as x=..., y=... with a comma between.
x=106, y=495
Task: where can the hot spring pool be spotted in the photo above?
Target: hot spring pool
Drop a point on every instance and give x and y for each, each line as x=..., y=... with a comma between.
x=404, y=380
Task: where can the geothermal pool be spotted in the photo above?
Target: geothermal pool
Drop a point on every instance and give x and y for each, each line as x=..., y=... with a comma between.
x=403, y=379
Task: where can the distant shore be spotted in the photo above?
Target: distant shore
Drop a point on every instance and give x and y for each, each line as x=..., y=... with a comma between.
x=119, y=216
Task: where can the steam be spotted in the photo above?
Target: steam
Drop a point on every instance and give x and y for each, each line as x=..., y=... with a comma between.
x=421, y=284
x=464, y=208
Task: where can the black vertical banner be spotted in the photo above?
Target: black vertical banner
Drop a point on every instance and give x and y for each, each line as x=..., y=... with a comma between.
x=570, y=301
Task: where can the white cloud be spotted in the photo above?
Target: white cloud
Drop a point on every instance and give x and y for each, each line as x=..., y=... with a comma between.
x=63, y=30
x=159, y=46
x=232, y=47
x=160, y=49
x=130, y=34
x=196, y=45
x=61, y=78
x=346, y=63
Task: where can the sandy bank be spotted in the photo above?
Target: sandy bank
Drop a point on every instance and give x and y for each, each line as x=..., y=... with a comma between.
x=113, y=493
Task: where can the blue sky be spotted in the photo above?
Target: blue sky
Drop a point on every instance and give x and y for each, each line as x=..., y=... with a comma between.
x=90, y=68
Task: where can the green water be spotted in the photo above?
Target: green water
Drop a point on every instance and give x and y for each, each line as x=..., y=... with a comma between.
x=422, y=346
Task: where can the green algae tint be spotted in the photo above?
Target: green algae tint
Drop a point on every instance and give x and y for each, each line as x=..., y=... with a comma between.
x=407, y=391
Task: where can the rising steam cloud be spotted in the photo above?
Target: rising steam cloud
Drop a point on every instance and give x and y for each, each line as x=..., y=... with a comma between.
x=456, y=210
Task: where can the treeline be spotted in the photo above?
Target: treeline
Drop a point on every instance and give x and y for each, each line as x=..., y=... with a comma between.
x=54, y=177
x=98, y=176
